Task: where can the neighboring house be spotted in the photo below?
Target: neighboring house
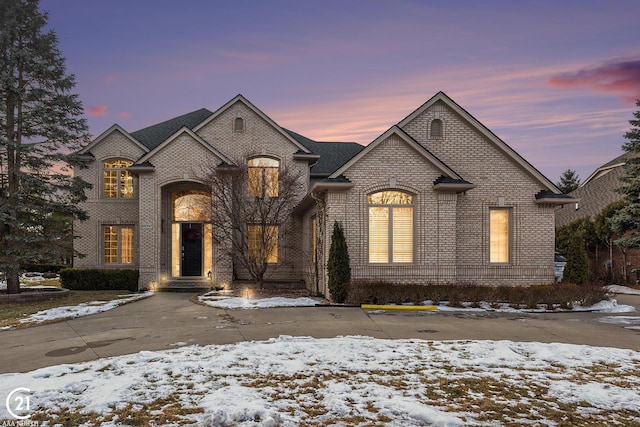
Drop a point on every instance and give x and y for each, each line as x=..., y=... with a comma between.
x=593, y=195
x=436, y=198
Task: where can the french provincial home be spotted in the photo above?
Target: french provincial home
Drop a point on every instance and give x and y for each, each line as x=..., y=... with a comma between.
x=437, y=198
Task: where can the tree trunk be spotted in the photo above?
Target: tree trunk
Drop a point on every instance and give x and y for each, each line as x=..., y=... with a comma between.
x=13, y=279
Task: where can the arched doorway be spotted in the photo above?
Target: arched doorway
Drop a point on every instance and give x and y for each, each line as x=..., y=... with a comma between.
x=191, y=243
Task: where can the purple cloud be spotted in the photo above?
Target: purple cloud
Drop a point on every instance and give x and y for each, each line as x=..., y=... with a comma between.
x=621, y=77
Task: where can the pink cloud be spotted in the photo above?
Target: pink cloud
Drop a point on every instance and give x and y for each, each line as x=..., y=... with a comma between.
x=100, y=110
x=125, y=115
x=621, y=77
x=110, y=78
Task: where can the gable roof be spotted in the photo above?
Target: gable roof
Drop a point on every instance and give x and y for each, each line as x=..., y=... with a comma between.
x=440, y=165
x=257, y=111
x=192, y=134
x=596, y=192
x=155, y=135
x=493, y=138
x=608, y=167
x=332, y=154
x=114, y=128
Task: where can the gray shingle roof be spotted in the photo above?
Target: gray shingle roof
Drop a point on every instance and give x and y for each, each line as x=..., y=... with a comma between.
x=596, y=193
x=153, y=136
x=332, y=154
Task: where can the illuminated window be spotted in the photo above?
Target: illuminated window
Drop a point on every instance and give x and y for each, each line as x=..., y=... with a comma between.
x=118, y=182
x=390, y=227
x=263, y=177
x=499, y=235
x=118, y=244
x=436, y=128
x=263, y=243
x=191, y=206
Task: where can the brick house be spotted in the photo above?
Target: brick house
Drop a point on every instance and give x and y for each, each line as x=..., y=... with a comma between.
x=594, y=194
x=436, y=198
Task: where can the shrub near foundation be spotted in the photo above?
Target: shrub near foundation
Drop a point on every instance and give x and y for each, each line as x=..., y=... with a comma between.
x=94, y=279
x=554, y=296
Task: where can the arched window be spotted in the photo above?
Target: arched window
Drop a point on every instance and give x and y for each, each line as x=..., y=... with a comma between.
x=263, y=177
x=390, y=227
x=436, y=128
x=238, y=124
x=117, y=181
x=191, y=206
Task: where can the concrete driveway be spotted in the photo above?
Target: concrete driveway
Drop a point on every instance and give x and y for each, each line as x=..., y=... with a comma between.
x=168, y=320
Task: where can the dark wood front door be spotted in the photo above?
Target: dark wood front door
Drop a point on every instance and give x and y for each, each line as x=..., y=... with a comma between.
x=191, y=264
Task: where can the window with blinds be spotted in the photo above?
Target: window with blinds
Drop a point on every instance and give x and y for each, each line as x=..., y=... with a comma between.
x=390, y=227
x=499, y=235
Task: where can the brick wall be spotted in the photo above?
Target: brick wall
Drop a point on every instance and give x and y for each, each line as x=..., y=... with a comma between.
x=451, y=230
x=179, y=163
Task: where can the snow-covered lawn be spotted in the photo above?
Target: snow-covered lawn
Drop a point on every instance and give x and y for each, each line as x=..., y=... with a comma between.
x=352, y=380
x=290, y=381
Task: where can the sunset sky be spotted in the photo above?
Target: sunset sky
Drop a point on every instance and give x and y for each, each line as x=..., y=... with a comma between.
x=556, y=80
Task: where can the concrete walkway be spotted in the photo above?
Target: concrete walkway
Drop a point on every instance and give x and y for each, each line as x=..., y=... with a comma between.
x=167, y=320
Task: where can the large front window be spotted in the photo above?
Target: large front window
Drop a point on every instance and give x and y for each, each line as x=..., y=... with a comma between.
x=263, y=243
x=390, y=227
x=118, y=244
x=499, y=235
x=117, y=181
x=263, y=177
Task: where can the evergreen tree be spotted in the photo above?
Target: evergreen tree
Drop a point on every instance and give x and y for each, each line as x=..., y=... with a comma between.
x=571, y=241
x=338, y=265
x=569, y=181
x=626, y=222
x=40, y=129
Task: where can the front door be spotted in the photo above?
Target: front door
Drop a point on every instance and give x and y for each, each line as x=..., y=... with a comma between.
x=191, y=237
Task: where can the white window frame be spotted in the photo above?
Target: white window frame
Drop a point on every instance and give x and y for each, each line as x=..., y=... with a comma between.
x=390, y=208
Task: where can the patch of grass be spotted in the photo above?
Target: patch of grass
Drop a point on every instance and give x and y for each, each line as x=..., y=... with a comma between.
x=163, y=411
x=10, y=314
x=46, y=282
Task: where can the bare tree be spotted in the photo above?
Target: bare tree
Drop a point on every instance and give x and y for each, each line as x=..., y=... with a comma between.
x=251, y=208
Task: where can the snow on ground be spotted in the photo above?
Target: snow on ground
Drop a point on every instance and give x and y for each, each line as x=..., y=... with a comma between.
x=227, y=301
x=617, y=289
x=220, y=300
x=84, y=309
x=632, y=322
x=355, y=380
